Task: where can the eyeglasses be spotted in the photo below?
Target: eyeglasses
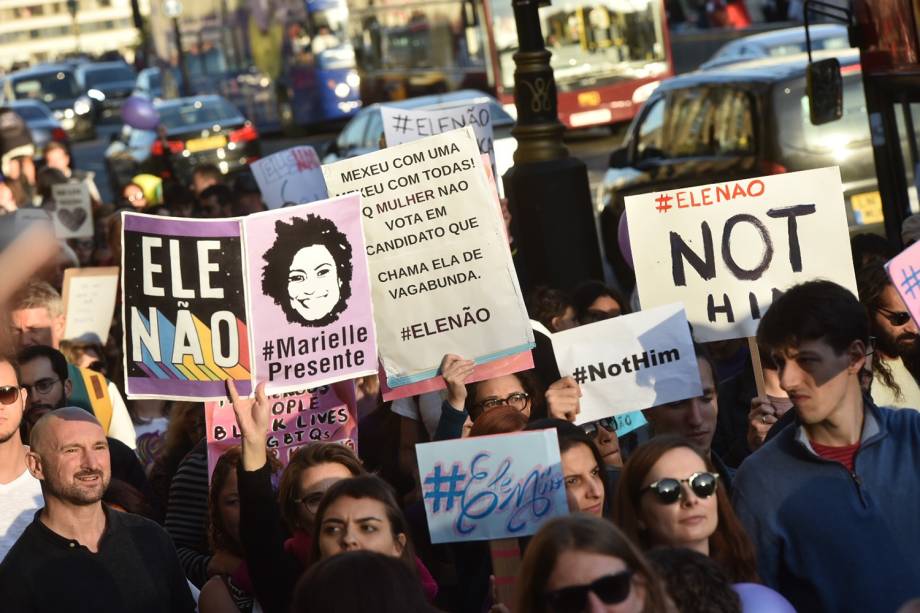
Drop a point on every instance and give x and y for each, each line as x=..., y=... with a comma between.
x=608, y=423
x=8, y=394
x=135, y=197
x=310, y=501
x=896, y=318
x=612, y=589
x=517, y=400
x=669, y=491
x=42, y=386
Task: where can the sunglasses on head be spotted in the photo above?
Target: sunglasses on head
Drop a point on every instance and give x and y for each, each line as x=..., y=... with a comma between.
x=612, y=589
x=8, y=394
x=896, y=318
x=669, y=491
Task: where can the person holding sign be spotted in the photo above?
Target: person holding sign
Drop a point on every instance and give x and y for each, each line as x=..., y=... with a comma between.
x=581, y=563
x=834, y=494
x=670, y=494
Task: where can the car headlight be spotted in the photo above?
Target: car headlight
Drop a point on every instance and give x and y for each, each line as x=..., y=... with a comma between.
x=96, y=94
x=342, y=90
x=82, y=106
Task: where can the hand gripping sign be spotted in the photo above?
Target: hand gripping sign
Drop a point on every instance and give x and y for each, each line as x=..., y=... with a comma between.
x=726, y=250
x=631, y=362
x=491, y=487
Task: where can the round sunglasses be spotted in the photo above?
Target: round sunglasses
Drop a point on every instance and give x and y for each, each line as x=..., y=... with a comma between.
x=8, y=394
x=612, y=589
x=669, y=491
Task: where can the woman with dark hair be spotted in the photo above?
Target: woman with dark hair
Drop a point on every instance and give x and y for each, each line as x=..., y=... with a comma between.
x=386, y=586
x=581, y=563
x=669, y=494
x=502, y=420
x=308, y=270
x=185, y=429
x=594, y=301
x=586, y=481
x=362, y=514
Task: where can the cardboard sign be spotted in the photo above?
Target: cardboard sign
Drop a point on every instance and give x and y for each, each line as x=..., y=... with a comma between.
x=72, y=210
x=402, y=126
x=309, y=295
x=324, y=415
x=196, y=311
x=292, y=176
x=631, y=362
x=441, y=270
x=491, y=487
x=726, y=250
x=89, y=302
x=904, y=271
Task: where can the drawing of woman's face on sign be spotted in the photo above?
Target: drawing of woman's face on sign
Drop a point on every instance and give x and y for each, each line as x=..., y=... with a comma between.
x=308, y=270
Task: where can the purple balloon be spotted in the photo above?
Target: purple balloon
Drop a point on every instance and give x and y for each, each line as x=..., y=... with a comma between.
x=623, y=240
x=140, y=113
x=757, y=598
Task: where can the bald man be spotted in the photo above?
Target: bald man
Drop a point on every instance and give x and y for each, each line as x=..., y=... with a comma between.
x=77, y=554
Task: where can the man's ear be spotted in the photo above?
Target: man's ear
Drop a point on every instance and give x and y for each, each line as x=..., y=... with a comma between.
x=68, y=388
x=856, y=353
x=34, y=464
x=57, y=328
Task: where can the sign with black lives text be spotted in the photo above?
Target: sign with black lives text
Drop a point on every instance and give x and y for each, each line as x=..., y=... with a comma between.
x=281, y=297
x=402, y=126
x=309, y=295
x=491, y=487
x=71, y=209
x=441, y=270
x=327, y=414
x=630, y=363
x=726, y=250
x=183, y=308
x=292, y=176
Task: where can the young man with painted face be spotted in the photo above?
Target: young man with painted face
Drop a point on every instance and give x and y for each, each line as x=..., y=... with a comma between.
x=832, y=501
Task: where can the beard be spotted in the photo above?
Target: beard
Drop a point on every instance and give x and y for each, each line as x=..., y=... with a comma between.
x=905, y=345
x=78, y=494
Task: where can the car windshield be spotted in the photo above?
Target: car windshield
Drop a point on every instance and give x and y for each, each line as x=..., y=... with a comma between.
x=97, y=76
x=826, y=44
x=197, y=112
x=31, y=113
x=47, y=87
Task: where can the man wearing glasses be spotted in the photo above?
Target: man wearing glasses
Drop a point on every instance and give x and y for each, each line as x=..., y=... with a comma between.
x=896, y=339
x=20, y=492
x=831, y=501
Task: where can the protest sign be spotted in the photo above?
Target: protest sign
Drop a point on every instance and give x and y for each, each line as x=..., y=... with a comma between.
x=292, y=176
x=727, y=249
x=183, y=308
x=327, y=414
x=402, y=126
x=309, y=293
x=904, y=270
x=441, y=270
x=491, y=487
x=627, y=422
x=89, y=302
x=631, y=362
x=72, y=210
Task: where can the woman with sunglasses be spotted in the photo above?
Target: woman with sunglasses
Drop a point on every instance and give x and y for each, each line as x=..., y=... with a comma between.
x=581, y=563
x=668, y=494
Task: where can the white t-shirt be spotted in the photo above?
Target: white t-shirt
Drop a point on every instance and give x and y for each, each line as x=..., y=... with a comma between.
x=19, y=500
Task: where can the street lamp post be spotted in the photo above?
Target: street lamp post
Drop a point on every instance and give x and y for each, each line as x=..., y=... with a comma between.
x=173, y=10
x=547, y=190
x=73, y=8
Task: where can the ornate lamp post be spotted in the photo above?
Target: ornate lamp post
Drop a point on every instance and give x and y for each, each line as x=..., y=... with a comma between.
x=547, y=189
x=73, y=8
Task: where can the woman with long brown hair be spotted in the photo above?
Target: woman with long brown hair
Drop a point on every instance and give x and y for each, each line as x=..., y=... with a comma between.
x=669, y=494
x=580, y=561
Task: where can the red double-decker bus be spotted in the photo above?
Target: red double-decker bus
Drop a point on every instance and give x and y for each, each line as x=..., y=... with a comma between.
x=607, y=54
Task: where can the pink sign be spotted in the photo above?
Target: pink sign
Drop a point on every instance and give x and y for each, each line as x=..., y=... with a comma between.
x=324, y=415
x=309, y=295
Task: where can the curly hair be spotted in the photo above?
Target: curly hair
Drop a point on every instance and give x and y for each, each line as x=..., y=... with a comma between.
x=301, y=233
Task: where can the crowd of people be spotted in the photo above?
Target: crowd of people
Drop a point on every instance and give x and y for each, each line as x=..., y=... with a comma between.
x=810, y=488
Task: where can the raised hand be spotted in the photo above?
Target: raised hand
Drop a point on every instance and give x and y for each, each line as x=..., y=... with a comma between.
x=562, y=399
x=253, y=416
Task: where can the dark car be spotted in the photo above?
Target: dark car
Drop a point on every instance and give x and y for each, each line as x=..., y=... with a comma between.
x=779, y=43
x=42, y=125
x=199, y=130
x=56, y=86
x=363, y=132
x=108, y=84
x=736, y=122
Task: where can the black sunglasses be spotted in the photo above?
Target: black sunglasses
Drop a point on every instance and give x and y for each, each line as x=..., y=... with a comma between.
x=669, y=491
x=608, y=423
x=896, y=318
x=612, y=589
x=8, y=394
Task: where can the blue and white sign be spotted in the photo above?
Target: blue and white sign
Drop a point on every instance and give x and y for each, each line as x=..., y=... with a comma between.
x=491, y=487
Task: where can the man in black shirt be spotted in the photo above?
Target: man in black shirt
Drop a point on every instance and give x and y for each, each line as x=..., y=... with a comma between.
x=78, y=555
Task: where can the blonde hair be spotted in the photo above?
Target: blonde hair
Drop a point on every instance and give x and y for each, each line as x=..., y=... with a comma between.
x=39, y=295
